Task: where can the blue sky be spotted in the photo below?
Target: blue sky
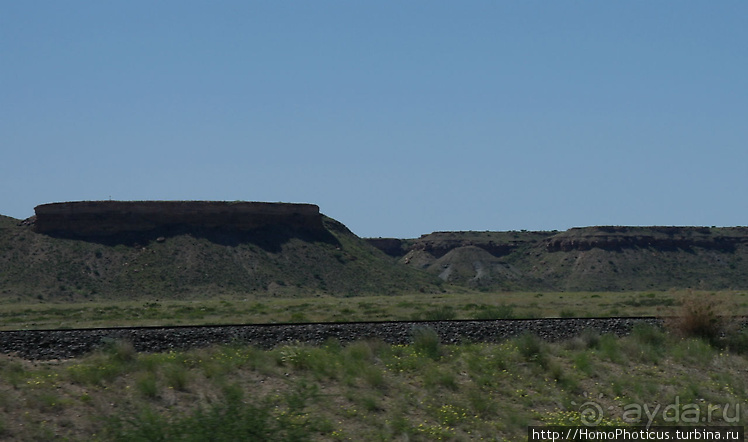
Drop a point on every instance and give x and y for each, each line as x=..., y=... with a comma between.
x=396, y=118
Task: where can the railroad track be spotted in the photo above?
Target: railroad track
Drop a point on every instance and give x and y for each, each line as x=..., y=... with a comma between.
x=70, y=343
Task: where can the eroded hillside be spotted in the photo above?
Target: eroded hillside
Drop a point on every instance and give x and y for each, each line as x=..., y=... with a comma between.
x=191, y=258
x=178, y=250
x=591, y=258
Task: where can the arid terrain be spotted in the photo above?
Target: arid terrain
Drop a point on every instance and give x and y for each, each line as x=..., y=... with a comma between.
x=189, y=250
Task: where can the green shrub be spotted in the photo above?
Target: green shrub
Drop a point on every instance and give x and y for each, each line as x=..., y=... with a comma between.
x=434, y=377
x=298, y=317
x=583, y=363
x=116, y=357
x=45, y=401
x=649, y=301
x=609, y=347
x=441, y=313
x=737, y=341
x=565, y=380
x=481, y=402
x=146, y=384
x=298, y=398
x=13, y=373
x=532, y=348
x=359, y=352
x=646, y=343
x=373, y=376
x=95, y=372
x=590, y=337
x=502, y=311
x=176, y=376
x=426, y=342
x=370, y=404
x=694, y=351
x=318, y=361
x=641, y=352
x=358, y=361
x=646, y=334
x=121, y=352
x=229, y=419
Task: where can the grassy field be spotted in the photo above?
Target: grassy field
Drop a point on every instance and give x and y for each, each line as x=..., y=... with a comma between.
x=373, y=391
x=692, y=372
x=457, y=305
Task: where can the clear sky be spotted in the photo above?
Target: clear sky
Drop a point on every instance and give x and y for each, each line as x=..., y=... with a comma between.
x=397, y=118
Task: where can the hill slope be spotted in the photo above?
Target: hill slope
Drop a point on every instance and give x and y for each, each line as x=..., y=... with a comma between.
x=591, y=258
x=182, y=250
x=195, y=262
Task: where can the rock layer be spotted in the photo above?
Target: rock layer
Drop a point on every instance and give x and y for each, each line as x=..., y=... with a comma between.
x=97, y=218
x=660, y=237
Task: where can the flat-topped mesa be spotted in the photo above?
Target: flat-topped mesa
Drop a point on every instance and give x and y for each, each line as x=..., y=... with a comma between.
x=111, y=217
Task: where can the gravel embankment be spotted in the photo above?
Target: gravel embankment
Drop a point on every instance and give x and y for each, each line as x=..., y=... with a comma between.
x=60, y=344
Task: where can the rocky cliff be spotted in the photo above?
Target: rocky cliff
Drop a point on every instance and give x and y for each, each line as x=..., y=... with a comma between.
x=611, y=238
x=438, y=244
x=101, y=218
x=664, y=238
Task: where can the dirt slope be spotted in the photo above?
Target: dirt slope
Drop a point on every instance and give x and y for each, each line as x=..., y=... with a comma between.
x=190, y=262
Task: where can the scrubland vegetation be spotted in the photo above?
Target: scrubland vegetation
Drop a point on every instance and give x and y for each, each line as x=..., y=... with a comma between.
x=420, y=306
x=370, y=390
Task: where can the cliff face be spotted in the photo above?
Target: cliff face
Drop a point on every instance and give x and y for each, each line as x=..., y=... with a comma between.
x=439, y=247
x=616, y=238
x=101, y=218
x=438, y=244
x=611, y=238
x=391, y=246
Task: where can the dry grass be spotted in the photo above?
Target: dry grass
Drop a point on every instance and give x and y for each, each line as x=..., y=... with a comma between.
x=367, y=390
x=462, y=304
x=702, y=316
